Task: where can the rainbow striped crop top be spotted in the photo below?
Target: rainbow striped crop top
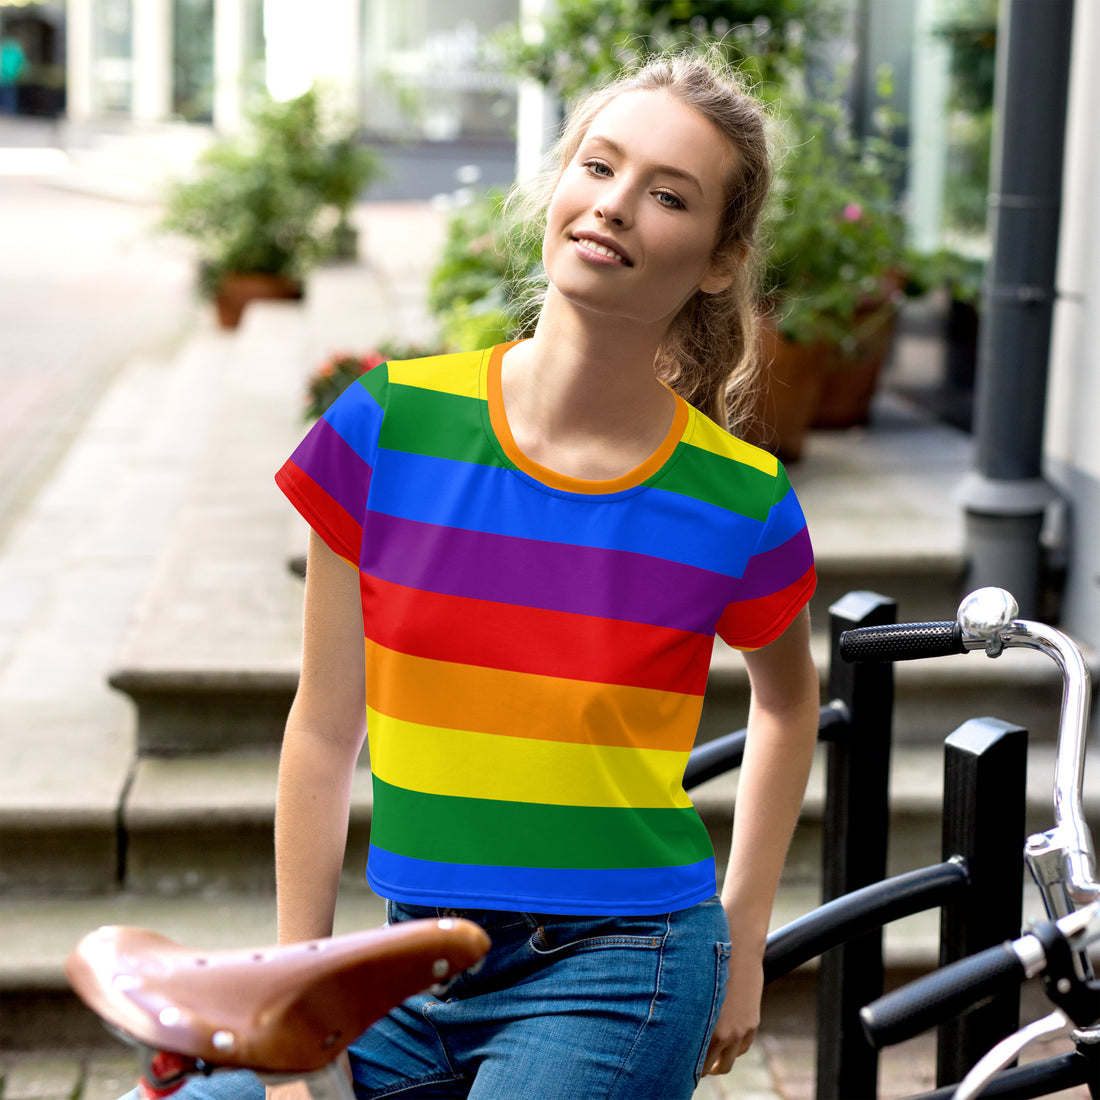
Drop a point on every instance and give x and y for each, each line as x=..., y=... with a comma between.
x=537, y=647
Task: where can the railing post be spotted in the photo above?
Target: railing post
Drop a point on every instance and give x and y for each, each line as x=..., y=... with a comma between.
x=853, y=848
x=984, y=808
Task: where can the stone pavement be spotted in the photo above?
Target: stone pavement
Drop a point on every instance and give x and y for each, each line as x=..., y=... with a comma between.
x=778, y=1067
x=85, y=284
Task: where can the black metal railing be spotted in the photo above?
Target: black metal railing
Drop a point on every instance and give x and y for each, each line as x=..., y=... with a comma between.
x=981, y=871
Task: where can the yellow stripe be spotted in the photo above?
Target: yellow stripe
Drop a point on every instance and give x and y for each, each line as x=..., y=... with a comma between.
x=433, y=760
x=708, y=436
x=456, y=374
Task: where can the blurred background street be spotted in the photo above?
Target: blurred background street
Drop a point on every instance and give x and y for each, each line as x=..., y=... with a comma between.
x=149, y=615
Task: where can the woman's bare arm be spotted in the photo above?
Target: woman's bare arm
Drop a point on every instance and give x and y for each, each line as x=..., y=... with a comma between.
x=783, y=720
x=323, y=738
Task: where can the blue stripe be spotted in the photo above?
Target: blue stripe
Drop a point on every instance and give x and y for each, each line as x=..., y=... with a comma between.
x=357, y=418
x=612, y=892
x=785, y=520
x=497, y=501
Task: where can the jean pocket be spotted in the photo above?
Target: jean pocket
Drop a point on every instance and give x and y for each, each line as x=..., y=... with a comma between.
x=558, y=936
x=721, y=974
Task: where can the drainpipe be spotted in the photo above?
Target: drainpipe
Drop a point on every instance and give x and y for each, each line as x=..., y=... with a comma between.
x=1005, y=496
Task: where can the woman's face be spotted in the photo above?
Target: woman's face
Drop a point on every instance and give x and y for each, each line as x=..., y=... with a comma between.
x=634, y=217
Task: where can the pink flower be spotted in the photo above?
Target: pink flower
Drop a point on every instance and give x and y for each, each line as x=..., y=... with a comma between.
x=852, y=212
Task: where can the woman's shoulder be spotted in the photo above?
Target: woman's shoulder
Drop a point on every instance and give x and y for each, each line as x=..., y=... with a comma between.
x=456, y=373
x=712, y=438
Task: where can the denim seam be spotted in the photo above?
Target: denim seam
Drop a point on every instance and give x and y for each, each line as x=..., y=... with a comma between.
x=457, y=1073
x=596, y=943
x=421, y=1082
x=652, y=1003
x=722, y=951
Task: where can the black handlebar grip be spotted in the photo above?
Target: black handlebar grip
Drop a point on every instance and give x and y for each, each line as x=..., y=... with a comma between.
x=901, y=641
x=941, y=995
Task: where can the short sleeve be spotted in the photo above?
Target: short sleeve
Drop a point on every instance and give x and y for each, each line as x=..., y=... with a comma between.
x=328, y=476
x=779, y=577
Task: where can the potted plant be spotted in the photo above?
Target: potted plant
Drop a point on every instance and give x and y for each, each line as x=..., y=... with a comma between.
x=478, y=291
x=836, y=271
x=265, y=207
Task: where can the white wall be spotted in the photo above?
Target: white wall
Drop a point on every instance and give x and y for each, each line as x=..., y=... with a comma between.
x=1072, y=440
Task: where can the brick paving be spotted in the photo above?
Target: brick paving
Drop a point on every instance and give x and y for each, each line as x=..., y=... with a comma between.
x=779, y=1067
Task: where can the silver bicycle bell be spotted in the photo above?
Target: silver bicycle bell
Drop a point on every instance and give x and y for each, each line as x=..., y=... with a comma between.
x=984, y=614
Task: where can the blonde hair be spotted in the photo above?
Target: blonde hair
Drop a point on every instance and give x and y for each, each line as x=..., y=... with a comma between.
x=708, y=355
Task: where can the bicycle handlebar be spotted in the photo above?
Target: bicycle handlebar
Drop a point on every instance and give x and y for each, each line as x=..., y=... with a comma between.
x=1062, y=859
x=901, y=641
x=950, y=990
x=940, y=995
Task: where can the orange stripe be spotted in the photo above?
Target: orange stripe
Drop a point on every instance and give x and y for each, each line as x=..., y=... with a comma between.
x=518, y=704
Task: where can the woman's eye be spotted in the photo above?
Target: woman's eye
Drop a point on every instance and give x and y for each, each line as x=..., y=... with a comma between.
x=598, y=168
x=667, y=198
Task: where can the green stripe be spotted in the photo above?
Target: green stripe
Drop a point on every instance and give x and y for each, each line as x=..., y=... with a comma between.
x=723, y=482
x=523, y=834
x=438, y=425
x=376, y=382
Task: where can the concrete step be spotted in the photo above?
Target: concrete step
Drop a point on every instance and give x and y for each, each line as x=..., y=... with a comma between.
x=206, y=823
x=71, y=577
x=36, y=1005
x=207, y=659
x=39, y=1011
x=235, y=696
x=211, y=662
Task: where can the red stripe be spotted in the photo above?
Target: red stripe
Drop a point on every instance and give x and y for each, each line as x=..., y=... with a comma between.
x=330, y=519
x=750, y=624
x=464, y=630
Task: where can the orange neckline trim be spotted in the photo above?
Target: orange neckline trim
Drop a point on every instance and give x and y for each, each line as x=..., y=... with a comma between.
x=551, y=478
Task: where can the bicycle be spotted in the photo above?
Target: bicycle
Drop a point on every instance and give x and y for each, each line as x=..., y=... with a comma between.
x=284, y=1012
x=1060, y=859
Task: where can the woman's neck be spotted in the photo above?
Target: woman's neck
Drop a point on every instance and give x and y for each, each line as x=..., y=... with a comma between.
x=581, y=395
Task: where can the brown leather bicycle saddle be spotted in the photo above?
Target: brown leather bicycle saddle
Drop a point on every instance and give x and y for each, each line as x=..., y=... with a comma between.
x=287, y=1009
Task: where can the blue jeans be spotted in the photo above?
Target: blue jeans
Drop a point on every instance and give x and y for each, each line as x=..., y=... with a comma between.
x=562, y=1007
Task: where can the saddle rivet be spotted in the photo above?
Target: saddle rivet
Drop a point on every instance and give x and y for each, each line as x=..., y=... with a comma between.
x=440, y=968
x=223, y=1040
x=446, y=924
x=170, y=1016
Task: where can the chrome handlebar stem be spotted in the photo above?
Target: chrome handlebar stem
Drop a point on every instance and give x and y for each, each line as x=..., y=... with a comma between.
x=1061, y=859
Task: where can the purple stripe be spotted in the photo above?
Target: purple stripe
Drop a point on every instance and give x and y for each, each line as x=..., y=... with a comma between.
x=775, y=569
x=611, y=584
x=331, y=462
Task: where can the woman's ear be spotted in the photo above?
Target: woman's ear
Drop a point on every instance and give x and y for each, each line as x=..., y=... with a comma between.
x=723, y=269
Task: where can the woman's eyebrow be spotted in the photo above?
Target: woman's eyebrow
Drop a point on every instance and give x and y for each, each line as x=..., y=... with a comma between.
x=664, y=169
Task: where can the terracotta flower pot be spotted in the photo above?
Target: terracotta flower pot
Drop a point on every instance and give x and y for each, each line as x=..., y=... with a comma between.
x=791, y=380
x=851, y=380
x=237, y=290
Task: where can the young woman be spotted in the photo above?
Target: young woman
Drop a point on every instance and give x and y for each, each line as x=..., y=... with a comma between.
x=536, y=545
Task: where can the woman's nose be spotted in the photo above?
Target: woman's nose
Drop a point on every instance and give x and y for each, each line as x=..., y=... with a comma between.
x=614, y=207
